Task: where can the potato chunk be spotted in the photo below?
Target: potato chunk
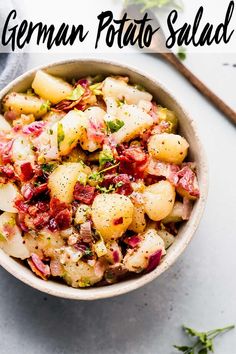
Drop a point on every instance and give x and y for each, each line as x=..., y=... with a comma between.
x=159, y=200
x=135, y=122
x=118, y=88
x=170, y=148
x=51, y=88
x=8, y=194
x=63, y=179
x=4, y=125
x=26, y=104
x=112, y=214
x=11, y=239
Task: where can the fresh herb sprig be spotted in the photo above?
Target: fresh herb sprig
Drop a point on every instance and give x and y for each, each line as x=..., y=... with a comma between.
x=203, y=340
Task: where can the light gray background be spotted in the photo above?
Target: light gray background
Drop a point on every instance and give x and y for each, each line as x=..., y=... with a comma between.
x=199, y=290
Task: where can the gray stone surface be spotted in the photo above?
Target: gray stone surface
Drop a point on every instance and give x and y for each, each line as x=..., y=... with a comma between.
x=199, y=290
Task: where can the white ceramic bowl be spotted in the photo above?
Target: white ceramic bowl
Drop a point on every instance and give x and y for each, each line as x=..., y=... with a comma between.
x=80, y=68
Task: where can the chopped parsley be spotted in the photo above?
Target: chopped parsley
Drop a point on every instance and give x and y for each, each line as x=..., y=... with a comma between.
x=110, y=189
x=120, y=102
x=105, y=156
x=60, y=134
x=76, y=93
x=95, y=176
x=88, y=252
x=48, y=167
x=114, y=125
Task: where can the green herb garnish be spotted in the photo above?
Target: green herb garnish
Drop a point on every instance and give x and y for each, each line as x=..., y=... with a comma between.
x=181, y=54
x=48, y=167
x=110, y=189
x=45, y=106
x=203, y=340
x=105, y=156
x=88, y=252
x=120, y=102
x=114, y=125
x=76, y=93
x=60, y=134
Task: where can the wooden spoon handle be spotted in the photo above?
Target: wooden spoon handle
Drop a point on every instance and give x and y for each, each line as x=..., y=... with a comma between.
x=200, y=86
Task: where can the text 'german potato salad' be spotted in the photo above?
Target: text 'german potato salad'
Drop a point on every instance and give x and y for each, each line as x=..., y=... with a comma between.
x=93, y=179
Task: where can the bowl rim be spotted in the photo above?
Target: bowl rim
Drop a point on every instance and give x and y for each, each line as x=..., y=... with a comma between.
x=94, y=293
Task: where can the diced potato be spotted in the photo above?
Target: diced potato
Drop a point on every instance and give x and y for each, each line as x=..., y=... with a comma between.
x=100, y=248
x=63, y=179
x=50, y=87
x=76, y=155
x=136, y=260
x=8, y=194
x=167, y=237
x=111, y=215
x=119, y=88
x=11, y=239
x=53, y=117
x=4, y=125
x=81, y=274
x=95, y=122
x=175, y=214
x=70, y=130
x=21, y=150
x=170, y=148
x=114, y=254
x=138, y=223
x=136, y=121
x=159, y=200
x=23, y=103
x=82, y=213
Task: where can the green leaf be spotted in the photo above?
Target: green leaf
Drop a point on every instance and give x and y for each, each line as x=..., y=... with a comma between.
x=192, y=332
x=95, y=176
x=60, y=134
x=48, y=167
x=105, y=156
x=114, y=125
x=181, y=54
x=203, y=351
x=96, y=89
x=110, y=189
x=76, y=93
x=183, y=348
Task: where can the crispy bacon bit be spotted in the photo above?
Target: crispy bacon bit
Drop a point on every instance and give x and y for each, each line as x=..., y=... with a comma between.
x=43, y=188
x=132, y=241
x=7, y=172
x=123, y=184
x=27, y=171
x=188, y=181
x=38, y=267
x=63, y=219
x=84, y=194
x=133, y=160
x=56, y=206
x=154, y=261
x=35, y=128
x=86, y=232
x=118, y=221
x=21, y=206
x=187, y=208
x=41, y=220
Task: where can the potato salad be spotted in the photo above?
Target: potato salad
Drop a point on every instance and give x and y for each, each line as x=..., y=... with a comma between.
x=95, y=180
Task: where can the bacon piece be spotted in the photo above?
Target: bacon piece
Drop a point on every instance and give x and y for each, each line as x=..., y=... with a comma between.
x=56, y=206
x=35, y=128
x=27, y=191
x=84, y=194
x=162, y=169
x=41, y=220
x=154, y=261
x=125, y=187
x=27, y=171
x=118, y=221
x=38, y=267
x=6, y=151
x=42, y=188
x=133, y=160
x=10, y=115
x=21, y=206
x=63, y=219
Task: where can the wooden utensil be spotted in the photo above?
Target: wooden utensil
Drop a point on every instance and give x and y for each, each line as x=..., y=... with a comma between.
x=158, y=47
